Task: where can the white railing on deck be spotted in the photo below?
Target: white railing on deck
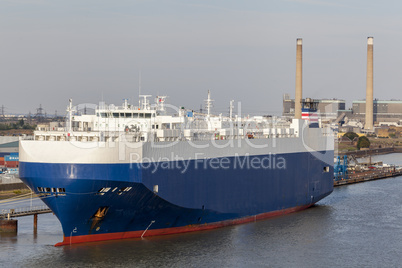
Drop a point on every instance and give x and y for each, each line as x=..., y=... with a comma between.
x=196, y=135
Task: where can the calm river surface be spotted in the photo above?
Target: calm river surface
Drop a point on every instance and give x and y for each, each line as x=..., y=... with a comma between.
x=356, y=226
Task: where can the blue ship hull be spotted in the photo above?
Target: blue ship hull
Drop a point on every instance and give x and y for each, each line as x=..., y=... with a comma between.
x=112, y=201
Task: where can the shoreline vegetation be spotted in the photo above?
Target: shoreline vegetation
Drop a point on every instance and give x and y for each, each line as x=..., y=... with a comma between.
x=348, y=146
x=9, y=194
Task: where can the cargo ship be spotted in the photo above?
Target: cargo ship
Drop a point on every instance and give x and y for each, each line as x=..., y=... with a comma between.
x=135, y=171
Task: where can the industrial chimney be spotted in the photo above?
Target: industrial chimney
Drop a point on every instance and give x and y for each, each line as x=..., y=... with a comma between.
x=369, y=85
x=298, y=95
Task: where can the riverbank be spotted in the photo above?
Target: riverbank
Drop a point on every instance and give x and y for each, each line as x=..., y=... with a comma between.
x=371, y=152
x=13, y=193
x=368, y=176
x=392, y=161
x=13, y=186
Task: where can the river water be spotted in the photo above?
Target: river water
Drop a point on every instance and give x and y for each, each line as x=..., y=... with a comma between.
x=358, y=225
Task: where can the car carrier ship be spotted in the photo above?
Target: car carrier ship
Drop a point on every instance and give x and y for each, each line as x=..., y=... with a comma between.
x=134, y=171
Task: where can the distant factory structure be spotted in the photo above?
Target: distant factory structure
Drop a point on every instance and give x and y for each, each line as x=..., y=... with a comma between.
x=365, y=117
x=328, y=109
x=322, y=108
x=369, y=120
x=299, y=79
x=383, y=111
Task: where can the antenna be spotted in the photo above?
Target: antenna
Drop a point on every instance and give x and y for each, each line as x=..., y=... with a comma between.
x=139, y=90
x=208, y=103
x=70, y=114
x=125, y=105
x=160, y=102
x=2, y=111
x=231, y=106
x=145, y=102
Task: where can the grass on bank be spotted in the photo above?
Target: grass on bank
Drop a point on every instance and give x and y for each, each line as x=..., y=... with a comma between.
x=13, y=193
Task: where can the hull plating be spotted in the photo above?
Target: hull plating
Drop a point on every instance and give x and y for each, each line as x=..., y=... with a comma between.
x=112, y=201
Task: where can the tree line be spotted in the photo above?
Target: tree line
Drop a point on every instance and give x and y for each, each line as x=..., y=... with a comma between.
x=362, y=142
x=20, y=124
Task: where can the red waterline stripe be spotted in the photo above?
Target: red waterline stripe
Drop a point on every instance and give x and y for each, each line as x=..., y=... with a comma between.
x=174, y=230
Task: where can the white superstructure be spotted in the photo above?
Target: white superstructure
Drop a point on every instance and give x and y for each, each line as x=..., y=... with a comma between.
x=147, y=122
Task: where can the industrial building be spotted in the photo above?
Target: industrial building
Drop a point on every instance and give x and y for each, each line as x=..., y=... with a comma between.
x=8, y=145
x=327, y=108
x=378, y=112
x=369, y=120
x=383, y=111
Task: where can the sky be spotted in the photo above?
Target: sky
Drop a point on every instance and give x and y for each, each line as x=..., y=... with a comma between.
x=93, y=50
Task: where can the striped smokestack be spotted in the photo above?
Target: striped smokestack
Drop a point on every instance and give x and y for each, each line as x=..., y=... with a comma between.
x=369, y=85
x=298, y=95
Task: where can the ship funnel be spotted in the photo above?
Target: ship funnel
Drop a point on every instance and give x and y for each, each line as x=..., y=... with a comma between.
x=369, y=85
x=298, y=95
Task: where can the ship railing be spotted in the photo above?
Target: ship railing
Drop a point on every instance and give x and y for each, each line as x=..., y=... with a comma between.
x=196, y=135
x=27, y=137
